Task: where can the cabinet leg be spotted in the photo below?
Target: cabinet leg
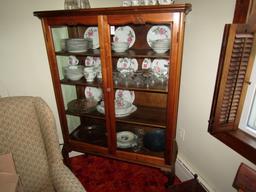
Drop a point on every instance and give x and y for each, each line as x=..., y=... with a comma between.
x=171, y=175
x=65, y=153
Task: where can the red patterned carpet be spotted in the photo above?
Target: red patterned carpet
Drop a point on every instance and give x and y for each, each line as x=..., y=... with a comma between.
x=99, y=174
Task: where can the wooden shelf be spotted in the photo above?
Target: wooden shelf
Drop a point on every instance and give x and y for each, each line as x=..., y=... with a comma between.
x=97, y=135
x=146, y=116
x=90, y=52
x=157, y=88
x=141, y=53
x=131, y=53
x=82, y=82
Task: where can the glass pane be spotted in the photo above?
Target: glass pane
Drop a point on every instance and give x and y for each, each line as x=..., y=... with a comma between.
x=252, y=117
x=140, y=63
x=79, y=66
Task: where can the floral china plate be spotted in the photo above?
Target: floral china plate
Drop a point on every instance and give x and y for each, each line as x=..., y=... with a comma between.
x=165, y=2
x=125, y=65
x=92, y=33
x=125, y=95
x=125, y=34
x=93, y=92
x=146, y=63
x=160, y=67
x=158, y=32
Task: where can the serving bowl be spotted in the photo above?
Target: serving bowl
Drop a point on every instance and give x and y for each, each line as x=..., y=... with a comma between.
x=74, y=73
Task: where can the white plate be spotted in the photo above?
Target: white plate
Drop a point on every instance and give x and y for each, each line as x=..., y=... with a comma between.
x=146, y=63
x=165, y=2
x=150, y=2
x=94, y=92
x=127, y=3
x=132, y=109
x=125, y=34
x=77, y=51
x=158, y=32
x=92, y=33
x=160, y=67
x=125, y=95
x=127, y=65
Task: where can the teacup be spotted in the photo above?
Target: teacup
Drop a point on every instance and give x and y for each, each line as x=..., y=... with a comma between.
x=89, y=74
x=135, y=2
x=72, y=60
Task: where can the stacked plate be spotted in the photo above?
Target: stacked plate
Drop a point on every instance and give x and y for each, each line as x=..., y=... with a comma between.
x=74, y=73
x=161, y=45
x=76, y=45
x=122, y=108
x=120, y=46
x=126, y=139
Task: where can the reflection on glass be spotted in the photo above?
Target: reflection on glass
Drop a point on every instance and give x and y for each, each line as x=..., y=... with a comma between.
x=252, y=117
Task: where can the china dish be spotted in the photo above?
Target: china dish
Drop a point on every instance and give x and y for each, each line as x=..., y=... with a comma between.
x=76, y=45
x=125, y=95
x=126, y=65
x=93, y=93
x=158, y=32
x=146, y=63
x=125, y=136
x=160, y=67
x=125, y=34
x=92, y=61
x=92, y=34
x=119, y=111
x=126, y=139
x=165, y=2
x=161, y=45
x=139, y=2
x=74, y=72
x=120, y=47
x=82, y=105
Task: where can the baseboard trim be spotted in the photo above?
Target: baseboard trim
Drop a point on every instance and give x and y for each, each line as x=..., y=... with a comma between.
x=185, y=172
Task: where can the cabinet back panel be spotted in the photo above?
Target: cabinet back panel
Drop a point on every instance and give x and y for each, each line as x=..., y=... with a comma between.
x=150, y=99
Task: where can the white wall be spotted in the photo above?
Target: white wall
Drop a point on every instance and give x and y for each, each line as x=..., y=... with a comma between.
x=211, y=159
x=24, y=70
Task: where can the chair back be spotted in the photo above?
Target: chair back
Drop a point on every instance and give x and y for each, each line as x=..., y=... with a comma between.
x=20, y=134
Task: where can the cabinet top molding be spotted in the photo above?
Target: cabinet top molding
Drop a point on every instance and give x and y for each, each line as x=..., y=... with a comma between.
x=186, y=8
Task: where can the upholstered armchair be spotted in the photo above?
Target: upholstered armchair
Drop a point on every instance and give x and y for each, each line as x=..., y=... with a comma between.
x=28, y=131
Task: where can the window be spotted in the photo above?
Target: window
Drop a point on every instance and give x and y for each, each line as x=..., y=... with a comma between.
x=248, y=118
x=233, y=81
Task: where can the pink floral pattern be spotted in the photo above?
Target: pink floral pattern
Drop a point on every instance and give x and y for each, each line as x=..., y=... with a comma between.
x=125, y=34
x=158, y=32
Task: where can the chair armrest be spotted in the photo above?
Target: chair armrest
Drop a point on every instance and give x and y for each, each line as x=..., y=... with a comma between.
x=64, y=180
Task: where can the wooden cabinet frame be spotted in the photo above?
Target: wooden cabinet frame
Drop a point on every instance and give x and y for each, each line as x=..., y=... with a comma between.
x=172, y=15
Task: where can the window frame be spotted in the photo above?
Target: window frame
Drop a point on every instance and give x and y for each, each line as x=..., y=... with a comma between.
x=250, y=100
x=232, y=135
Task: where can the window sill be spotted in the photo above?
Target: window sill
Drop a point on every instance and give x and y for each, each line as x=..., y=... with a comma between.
x=239, y=141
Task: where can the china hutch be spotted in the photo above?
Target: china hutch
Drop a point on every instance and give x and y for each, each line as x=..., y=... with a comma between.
x=145, y=79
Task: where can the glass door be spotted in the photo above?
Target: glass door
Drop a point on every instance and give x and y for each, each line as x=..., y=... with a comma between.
x=78, y=59
x=140, y=73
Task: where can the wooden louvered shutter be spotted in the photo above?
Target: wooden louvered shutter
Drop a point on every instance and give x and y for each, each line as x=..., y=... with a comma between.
x=235, y=65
